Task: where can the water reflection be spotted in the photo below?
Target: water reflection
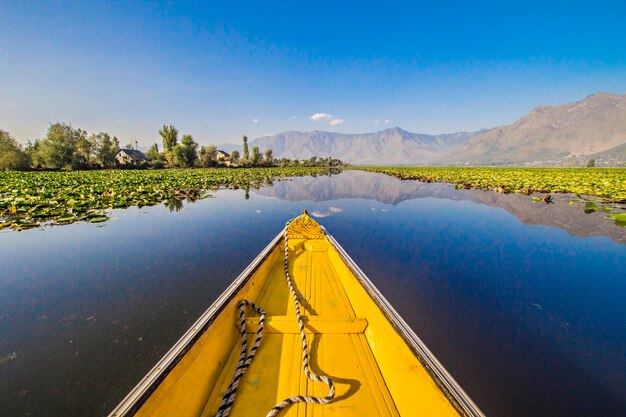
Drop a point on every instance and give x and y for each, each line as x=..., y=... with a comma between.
x=576, y=217
x=174, y=204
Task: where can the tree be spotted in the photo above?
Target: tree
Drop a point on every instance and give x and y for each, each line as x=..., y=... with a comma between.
x=256, y=155
x=208, y=155
x=169, y=134
x=591, y=163
x=84, y=150
x=176, y=156
x=104, y=149
x=190, y=150
x=153, y=153
x=246, y=153
x=268, y=158
x=11, y=155
x=234, y=157
x=60, y=148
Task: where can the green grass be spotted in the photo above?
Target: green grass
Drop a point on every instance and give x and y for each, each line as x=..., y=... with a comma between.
x=608, y=184
x=31, y=199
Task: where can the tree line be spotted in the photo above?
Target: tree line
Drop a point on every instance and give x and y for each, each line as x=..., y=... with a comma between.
x=67, y=148
x=64, y=147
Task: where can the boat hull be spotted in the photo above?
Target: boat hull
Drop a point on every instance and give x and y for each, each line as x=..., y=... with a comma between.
x=378, y=364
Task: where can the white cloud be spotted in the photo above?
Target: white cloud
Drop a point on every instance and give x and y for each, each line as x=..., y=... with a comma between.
x=387, y=121
x=318, y=213
x=255, y=120
x=335, y=209
x=336, y=122
x=376, y=122
x=292, y=117
x=321, y=116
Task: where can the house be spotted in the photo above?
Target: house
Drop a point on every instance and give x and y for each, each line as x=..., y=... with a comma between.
x=131, y=157
x=222, y=157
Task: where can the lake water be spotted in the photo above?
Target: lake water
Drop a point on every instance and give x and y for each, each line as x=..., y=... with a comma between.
x=524, y=303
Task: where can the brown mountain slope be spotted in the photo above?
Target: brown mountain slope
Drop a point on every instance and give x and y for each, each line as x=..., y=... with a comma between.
x=393, y=146
x=550, y=133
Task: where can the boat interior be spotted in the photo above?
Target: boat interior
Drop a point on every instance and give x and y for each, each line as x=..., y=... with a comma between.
x=350, y=340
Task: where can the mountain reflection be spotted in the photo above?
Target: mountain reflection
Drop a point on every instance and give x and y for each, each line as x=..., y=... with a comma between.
x=389, y=190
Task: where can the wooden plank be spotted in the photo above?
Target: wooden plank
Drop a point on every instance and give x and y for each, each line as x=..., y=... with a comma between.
x=288, y=324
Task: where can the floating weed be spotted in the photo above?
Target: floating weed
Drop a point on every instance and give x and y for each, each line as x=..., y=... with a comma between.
x=591, y=207
x=607, y=185
x=619, y=218
x=34, y=199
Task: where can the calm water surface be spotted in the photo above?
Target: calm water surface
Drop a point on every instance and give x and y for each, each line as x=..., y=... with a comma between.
x=523, y=303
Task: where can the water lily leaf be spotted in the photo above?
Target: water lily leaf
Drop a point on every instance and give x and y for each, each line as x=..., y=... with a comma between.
x=591, y=207
x=98, y=219
x=65, y=219
x=618, y=217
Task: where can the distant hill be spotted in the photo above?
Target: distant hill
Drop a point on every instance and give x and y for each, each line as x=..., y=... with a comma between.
x=553, y=135
x=564, y=135
x=613, y=157
x=388, y=147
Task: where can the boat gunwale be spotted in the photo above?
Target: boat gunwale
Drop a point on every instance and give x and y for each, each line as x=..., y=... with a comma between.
x=444, y=380
x=150, y=382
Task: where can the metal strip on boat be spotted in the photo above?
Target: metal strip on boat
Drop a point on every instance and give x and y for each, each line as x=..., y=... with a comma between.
x=440, y=375
x=149, y=383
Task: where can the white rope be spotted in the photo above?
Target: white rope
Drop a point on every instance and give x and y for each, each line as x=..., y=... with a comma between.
x=245, y=358
x=305, y=356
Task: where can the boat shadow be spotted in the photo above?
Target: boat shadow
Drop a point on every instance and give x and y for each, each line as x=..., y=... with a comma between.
x=308, y=308
x=353, y=384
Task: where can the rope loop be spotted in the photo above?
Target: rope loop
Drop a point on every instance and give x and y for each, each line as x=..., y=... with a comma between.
x=245, y=357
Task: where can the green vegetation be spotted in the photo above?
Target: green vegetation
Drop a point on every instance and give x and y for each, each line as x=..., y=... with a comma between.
x=609, y=184
x=67, y=148
x=31, y=199
x=246, y=153
x=619, y=218
x=11, y=155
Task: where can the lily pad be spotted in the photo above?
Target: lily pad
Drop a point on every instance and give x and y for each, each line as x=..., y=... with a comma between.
x=591, y=207
x=618, y=217
x=98, y=219
x=66, y=197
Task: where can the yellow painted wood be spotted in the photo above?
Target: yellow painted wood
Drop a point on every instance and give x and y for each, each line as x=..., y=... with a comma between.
x=350, y=340
x=288, y=324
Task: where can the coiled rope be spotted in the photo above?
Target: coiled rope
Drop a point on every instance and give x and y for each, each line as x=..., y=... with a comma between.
x=245, y=358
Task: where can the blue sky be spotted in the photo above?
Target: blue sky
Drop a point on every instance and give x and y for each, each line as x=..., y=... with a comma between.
x=224, y=69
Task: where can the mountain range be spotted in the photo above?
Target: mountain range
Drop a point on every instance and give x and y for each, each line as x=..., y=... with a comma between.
x=593, y=128
x=393, y=146
x=562, y=135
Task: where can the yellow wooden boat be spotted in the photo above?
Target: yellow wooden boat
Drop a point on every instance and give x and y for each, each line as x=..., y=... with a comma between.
x=377, y=364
